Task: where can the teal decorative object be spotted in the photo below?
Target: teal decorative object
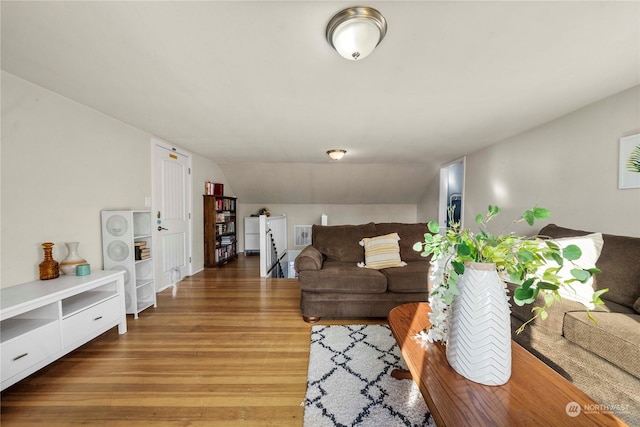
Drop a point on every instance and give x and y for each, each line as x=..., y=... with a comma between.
x=83, y=269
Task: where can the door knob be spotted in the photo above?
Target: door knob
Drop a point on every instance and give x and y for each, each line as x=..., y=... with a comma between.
x=160, y=228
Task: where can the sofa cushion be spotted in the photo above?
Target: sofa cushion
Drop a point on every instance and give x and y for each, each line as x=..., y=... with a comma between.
x=636, y=306
x=414, y=277
x=618, y=262
x=342, y=242
x=554, y=322
x=591, y=247
x=615, y=337
x=381, y=252
x=342, y=277
x=409, y=235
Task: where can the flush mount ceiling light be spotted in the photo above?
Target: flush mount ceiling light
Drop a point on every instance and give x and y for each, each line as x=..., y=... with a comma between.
x=336, y=154
x=354, y=32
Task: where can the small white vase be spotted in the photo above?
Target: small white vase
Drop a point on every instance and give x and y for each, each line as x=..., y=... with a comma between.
x=68, y=265
x=479, y=345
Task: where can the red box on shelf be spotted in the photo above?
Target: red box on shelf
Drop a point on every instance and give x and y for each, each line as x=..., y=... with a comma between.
x=218, y=189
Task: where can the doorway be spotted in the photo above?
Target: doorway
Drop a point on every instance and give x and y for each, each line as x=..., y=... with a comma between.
x=451, y=206
x=171, y=209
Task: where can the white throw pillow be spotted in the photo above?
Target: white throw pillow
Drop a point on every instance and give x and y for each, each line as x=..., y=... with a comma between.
x=591, y=246
x=381, y=252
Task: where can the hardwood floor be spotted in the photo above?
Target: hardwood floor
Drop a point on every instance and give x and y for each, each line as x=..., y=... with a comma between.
x=230, y=349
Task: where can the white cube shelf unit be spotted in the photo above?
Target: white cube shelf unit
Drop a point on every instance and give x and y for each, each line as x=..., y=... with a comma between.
x=127, y=246
x=43, y=320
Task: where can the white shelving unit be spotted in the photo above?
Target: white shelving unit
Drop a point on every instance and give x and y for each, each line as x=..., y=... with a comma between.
x=121, y=232
x=41, y=321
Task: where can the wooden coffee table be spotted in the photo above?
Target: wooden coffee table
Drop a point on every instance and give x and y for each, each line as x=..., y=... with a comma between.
x=535, y=395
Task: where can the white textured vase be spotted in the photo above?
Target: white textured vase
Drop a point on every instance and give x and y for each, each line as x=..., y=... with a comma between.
x=479, y=345
x=68, y=265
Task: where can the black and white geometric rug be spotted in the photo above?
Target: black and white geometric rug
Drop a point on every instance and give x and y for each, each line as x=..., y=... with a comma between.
x=350, y=384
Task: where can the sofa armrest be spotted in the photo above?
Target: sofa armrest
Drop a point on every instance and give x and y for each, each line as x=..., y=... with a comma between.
x=308, y=259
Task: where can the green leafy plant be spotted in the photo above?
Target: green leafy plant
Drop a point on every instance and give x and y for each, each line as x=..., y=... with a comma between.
x=521, y=260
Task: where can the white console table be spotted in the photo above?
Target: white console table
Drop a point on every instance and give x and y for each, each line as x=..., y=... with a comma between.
x=43, y=320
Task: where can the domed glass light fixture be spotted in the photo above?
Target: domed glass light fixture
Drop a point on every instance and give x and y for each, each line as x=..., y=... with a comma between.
x=354, y=32
x=336, y=154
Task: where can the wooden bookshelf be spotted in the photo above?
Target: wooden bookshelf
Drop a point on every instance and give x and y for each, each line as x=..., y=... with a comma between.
x=220, y=226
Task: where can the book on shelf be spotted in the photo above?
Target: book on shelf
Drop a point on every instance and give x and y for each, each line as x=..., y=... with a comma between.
x=225, y=204
x=213, y=189
x=223, y=254
x=142, y=252
x=227, y=240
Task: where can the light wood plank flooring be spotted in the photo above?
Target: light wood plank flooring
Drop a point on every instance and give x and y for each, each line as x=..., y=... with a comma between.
x=230, y=349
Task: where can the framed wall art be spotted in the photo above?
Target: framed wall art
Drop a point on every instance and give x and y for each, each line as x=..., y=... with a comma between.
x=629, y=164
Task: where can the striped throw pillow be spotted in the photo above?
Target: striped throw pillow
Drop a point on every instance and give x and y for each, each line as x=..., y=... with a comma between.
x=381, y=252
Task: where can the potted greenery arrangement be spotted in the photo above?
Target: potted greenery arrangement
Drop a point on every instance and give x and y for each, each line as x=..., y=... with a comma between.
x=465, y=313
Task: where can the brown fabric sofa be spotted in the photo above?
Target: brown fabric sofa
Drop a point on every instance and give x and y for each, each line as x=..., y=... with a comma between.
x=332, y=285
x=602, y=359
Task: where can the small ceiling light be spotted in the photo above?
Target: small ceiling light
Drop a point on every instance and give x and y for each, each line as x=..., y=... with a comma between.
x=336, y=154
x=354, y=32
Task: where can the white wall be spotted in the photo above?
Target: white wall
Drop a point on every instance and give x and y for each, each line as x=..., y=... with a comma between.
x=428, y=205
x=569, y=165
x=337, y=214
x=62, y=163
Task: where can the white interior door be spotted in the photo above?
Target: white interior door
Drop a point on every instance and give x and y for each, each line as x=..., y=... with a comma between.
x=171, y=209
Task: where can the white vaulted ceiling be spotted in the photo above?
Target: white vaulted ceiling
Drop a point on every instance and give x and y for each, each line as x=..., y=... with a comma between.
x=255, y=87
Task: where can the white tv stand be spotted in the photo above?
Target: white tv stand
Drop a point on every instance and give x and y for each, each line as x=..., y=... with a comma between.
x=43, y=320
